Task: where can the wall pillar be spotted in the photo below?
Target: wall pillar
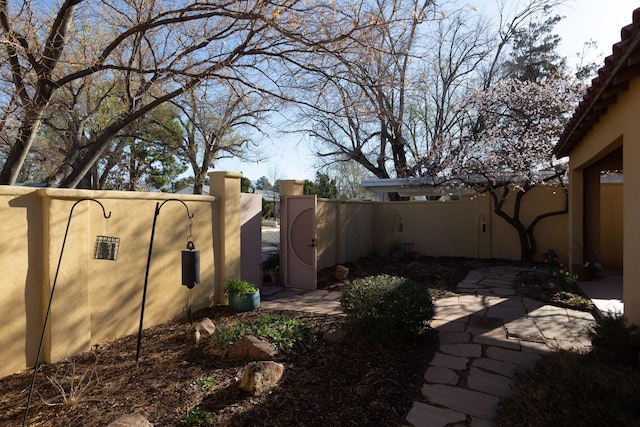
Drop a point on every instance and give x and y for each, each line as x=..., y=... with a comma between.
x=68, y=328
x=576, y=216
x=225, y=186
x=291, y=187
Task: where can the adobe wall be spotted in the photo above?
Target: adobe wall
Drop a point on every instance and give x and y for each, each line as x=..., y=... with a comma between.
x=98, y=300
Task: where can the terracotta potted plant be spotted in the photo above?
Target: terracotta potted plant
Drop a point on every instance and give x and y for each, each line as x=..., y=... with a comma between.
x=272, y=266
x=243, y=295
x=275, y=275
x=584, y=271
x=614, y=340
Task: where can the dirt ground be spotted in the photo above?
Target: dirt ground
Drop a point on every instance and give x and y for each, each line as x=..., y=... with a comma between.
x=335, y=384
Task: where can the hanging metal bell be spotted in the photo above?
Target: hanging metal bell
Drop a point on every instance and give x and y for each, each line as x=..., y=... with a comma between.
x=190, y=266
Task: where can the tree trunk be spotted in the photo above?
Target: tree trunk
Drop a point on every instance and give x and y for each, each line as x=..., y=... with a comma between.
x=20, y=149
x=526, y=235
x=526, y=254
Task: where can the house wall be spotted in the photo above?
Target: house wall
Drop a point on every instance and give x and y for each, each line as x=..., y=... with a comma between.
x=618, y=128
x=98, y=300
x=611, y=225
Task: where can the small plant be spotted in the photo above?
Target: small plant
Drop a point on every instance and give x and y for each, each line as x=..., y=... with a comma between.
x=72, y=386
x=195, y=417
x=387, y=308
x=286, y=333
x=205, y=382
x=235, y=286
x=612, y=332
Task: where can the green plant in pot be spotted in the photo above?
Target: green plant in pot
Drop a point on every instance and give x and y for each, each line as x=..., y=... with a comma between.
x=272, y=266
x=615, y=340
x=243, y=295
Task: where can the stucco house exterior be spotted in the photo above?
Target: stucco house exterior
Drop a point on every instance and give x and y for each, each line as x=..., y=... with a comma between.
x=603, y=137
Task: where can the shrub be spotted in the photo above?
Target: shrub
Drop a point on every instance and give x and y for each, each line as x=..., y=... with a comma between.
x=387, y=308
x=612, y=331
x=572, y=389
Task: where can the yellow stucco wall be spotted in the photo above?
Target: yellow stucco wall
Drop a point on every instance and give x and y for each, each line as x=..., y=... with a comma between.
x=98, y=300
x=470, y=228
x=344, y=231
x=22, y=243
x=611, y=225
x=464, y=228
x=618, y=128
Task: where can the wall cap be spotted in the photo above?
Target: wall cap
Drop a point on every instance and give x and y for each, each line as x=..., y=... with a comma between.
x=72, y=194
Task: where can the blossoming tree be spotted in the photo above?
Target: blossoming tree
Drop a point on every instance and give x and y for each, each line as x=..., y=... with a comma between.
x=508, y=151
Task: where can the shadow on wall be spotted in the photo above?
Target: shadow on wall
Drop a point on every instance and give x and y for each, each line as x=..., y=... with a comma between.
x=28, y=335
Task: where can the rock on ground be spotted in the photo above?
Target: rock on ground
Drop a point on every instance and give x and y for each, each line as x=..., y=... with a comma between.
x=260, y=377
x=131, y=420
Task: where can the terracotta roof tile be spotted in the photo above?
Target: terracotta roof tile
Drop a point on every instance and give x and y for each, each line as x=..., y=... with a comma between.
x=613, y=78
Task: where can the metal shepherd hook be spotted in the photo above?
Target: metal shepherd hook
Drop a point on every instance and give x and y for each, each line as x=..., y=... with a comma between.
x=146, y=275
x=53, y=288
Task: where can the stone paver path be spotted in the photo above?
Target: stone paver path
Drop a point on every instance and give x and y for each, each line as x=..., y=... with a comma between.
x=317, y=301
x=487, y=335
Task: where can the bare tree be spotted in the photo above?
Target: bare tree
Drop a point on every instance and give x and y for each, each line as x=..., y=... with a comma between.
x=348, y=176
x=394, y=99
x=160, y=49
x=362, y=101
x=215, y=124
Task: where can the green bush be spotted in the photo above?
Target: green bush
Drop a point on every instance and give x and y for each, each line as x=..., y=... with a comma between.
x=387, y=308
x=572, y=389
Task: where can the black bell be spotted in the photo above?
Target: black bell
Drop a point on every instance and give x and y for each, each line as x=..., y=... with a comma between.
x=190, y=266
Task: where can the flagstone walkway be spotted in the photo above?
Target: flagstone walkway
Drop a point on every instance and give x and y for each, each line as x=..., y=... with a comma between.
x=487, y=335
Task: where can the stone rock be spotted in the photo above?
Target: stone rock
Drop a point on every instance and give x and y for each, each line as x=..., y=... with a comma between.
x=260, y=377
x=252, y=348
x=131, y=420
x=341, y=272
x=424, y=415
x=205, y=325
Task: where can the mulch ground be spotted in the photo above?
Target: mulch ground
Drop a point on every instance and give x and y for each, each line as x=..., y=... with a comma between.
x=343, y=383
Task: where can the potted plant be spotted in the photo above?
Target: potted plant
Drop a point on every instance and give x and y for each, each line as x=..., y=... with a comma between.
x=272, y=266
x=614, y=340
x=586, y=271
x=275, y=275
x=243, y=295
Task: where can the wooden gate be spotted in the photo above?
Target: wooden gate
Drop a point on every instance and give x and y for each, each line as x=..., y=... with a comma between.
x=299, y=251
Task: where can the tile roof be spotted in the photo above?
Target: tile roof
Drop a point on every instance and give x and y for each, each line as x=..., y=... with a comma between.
x=613, y=78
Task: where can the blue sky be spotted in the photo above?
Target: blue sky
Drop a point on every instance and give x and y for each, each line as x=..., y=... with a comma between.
x=292, y=157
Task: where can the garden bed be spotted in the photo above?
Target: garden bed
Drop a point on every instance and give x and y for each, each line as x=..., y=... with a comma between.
x=344, y=383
